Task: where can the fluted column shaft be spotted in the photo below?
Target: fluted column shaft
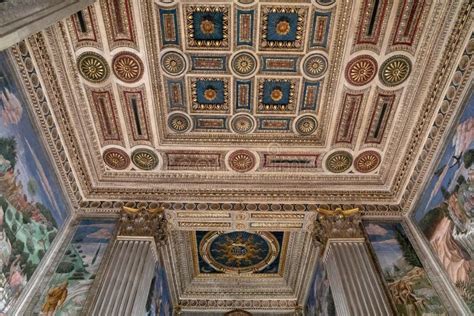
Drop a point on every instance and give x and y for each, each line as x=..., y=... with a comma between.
x=125, y=283
x=355, y=282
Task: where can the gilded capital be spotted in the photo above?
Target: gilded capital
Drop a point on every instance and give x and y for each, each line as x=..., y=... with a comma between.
x=337, y=224
x=143, y=222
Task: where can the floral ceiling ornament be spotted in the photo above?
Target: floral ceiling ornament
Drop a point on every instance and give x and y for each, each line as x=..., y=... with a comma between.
x=127, y=67
x=395, y=70
x=241, y=161
x=339, y=161
x=145, y=159
x=116, y=158
x=361, y=70
x=93, y=67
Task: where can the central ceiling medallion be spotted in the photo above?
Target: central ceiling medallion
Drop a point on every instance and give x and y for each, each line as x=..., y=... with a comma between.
x=241, y=161
x=207, y=26
x=127, y=67
x=283, y=27
x=339, y=161
x=239, y=252
x=361, y=70
x=93, y=67
x=210, y=94
x=276, y=94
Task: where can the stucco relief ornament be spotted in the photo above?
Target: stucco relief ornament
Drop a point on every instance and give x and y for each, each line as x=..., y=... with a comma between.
x=127, y=67
x=93, y=67
x=361, y=70
x=145, y=222
x=145, y=159
x=395, y=70
x=241, y=161
x=116, y=158
x=242, y=124
x=339, y=161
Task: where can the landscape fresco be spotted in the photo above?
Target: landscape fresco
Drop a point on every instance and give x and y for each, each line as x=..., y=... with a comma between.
x=159, y=299
x=445, y=211
x=320, y=301
x=68, y=288
x=410, y=288
x=32, y=207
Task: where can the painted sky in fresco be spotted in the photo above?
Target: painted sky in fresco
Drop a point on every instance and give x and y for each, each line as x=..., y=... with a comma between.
x=32, y=161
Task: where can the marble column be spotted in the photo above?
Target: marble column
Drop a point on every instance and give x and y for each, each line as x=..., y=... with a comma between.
x=355, y=282
x=124, y=286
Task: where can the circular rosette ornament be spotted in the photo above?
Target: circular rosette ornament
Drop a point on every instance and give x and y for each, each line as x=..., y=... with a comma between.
x=244, y=64
x=116, y=158
x=315, y=65
x=93, y=67
x=241, y=161
x=173, y=63
x=361, y=70
x=242, y=124
x=395, y=70
x=339, y=161
x=367, y=161
x=306, y=125
x=127, y=67
x=145, y=159
x=179, y=122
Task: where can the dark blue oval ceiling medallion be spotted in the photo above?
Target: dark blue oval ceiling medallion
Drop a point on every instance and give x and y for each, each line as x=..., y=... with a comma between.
x=239, y=252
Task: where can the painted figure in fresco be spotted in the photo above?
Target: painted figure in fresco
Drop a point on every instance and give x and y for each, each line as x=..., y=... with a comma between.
x=10, y=106
x=16, y=279
x=56, y=297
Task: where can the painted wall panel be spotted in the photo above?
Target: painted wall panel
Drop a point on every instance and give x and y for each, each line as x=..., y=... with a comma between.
x=409, y=287
x=32, y=206
x=445, y=211
x=320, y=301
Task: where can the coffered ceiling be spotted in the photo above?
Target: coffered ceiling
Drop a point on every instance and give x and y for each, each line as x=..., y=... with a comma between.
x=318, y=101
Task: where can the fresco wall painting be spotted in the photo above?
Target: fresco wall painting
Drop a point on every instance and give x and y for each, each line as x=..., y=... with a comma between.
x=159, y=298
x=407, y=281
x=67, y=289
x=445, y=211
x=32, y=206
x=320, y=301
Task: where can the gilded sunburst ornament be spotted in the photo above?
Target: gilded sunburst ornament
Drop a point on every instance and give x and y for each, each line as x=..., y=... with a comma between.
x=173, y=63
x=241, y=161
x=339, y=161
x=361, y=70
x=178, y=122
x=244, y=64
x=395, y=70
x=306, y=125
x=145, y=159
x=315, y=65
x=116, y=158
x=127, y=67
x=92, y=67
x=367, y=161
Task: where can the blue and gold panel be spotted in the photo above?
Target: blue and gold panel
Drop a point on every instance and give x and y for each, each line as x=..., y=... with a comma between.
x=176, y=97
x=244, y=28
x=240, y=252
x=169, y=27
x=279, y=64
x=282, y=27
x=208, y=63
x=210, y=94
x=267, y=124
x=276, y=95
x=207, y=26
x=321, y=24
x=310, y=96
x=243, y=95
x=210, y=123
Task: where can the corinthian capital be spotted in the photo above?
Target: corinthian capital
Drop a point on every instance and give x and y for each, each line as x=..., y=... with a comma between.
x=143, y=222
x=336, y=224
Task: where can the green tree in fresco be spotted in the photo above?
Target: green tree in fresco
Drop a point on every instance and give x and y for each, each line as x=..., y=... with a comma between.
x=8, y=149
x=408, y=252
